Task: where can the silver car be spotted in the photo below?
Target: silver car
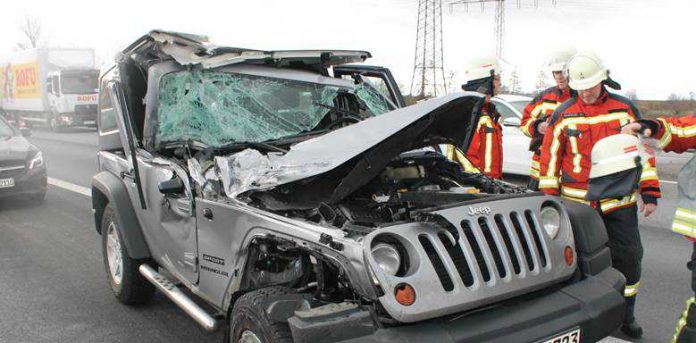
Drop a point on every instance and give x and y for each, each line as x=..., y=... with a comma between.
x=303, y=203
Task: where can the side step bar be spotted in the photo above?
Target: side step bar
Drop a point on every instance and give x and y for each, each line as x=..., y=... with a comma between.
x=179, y=298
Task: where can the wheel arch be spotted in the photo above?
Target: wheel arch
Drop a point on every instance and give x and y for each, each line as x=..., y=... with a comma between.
x=107, y=189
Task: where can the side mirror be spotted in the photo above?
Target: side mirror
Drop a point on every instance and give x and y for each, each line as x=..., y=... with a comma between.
x=26, y=132
x=512, y=121
x=173, y=186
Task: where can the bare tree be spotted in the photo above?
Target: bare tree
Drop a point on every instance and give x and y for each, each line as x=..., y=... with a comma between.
x=674, y=97
x=33, y=34
x=541, y=81
x=515, y=87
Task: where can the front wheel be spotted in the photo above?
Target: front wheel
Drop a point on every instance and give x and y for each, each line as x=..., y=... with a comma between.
x=128, y=285
x=249, y=322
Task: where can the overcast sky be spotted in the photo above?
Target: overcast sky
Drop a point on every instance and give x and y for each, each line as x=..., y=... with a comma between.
x=649, y=45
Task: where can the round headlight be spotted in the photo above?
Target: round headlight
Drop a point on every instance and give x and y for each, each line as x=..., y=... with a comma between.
x=387, y=257
x=551, y=221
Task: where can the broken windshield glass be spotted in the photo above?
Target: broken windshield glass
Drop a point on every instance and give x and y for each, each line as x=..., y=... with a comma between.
x=218, y=108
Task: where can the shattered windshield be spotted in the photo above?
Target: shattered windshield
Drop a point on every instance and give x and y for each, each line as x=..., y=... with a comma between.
x=217, y=108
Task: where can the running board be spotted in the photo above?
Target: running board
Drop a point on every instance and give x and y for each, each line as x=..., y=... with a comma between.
x=179, y=298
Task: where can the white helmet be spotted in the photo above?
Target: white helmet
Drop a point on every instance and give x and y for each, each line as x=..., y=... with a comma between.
x=615, y=154
x=480, y=68
x=557, y=61
x=586, y=70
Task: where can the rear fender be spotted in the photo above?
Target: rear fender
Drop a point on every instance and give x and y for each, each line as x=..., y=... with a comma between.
x=107, y=188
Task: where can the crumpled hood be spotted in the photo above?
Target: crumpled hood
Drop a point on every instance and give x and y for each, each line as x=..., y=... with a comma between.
x=330, y=167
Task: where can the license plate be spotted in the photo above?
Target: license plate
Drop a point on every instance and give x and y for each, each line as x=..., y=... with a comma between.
x=7, y=183
x=88, y=122
x=568, y=337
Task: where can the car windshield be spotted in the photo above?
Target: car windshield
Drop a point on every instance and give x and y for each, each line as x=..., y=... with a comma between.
x=218, y=108
x=79, y=83
x=5, y=129
x=519, y=105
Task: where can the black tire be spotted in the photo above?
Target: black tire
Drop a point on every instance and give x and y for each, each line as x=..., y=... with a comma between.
x=132, y=289
x=249, y=315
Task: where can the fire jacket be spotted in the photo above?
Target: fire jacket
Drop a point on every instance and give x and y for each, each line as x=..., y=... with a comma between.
x=538, y=111
x=678, y=135
x=456, y=155
x=486, y=149
x=566, y=152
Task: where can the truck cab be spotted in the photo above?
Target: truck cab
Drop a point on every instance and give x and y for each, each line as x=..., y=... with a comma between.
x=301, y=203
x=72, y=97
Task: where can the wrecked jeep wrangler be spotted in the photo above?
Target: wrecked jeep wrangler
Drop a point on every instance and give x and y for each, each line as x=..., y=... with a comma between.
x=296, y=197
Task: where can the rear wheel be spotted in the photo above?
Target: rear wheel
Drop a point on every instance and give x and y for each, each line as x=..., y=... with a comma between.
x=128, y=285
x=249, y=322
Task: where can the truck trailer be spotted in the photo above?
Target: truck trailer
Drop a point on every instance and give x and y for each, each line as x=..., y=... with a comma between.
x=56, y=87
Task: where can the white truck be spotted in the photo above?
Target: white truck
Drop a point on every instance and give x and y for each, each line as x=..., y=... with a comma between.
x=52, y=86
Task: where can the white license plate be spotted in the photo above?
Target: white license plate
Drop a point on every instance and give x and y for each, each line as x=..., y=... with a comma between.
x=7, y=183
x=568, y=337
x=88, y=122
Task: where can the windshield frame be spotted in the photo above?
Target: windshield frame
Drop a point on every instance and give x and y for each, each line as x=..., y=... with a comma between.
x=5, y=124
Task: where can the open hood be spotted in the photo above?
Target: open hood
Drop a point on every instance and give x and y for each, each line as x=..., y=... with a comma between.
x=328, y=168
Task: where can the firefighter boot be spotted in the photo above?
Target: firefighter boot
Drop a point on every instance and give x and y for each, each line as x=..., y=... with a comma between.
x=686, y=327
x=630, y=326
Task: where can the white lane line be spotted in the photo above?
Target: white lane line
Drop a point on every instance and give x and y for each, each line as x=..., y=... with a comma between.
x=669, y=182
x=70, y=186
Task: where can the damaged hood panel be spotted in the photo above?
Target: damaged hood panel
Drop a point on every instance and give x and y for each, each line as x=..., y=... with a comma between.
x=332, y=166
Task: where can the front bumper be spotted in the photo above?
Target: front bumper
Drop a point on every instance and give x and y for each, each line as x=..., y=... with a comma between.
x=595, y=305
x=32, y=182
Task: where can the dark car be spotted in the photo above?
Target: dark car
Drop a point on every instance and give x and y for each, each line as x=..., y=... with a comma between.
x=22, y=167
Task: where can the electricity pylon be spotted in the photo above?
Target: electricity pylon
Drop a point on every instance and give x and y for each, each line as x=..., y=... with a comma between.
x=428, y=67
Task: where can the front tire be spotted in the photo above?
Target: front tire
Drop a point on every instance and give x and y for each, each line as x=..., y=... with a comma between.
x=249, y=322
x=128, y=286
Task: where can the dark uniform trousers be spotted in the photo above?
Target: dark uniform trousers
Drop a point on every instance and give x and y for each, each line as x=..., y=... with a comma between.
x=626, y=251
x=686, y=328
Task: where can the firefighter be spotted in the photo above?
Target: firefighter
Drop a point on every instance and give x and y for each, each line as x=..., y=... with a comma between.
x=536, y=113
x=486, y=148
x=565, y=165
x=678, y=135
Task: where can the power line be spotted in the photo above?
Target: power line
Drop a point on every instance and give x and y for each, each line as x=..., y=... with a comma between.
x=428, y=66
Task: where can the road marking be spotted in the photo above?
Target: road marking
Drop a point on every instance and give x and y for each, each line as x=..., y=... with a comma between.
x=669, y=182
x=70, y=186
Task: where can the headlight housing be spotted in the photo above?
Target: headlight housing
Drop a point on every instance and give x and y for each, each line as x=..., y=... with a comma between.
x=36, y=161
x=551, y=220
x=387, y=257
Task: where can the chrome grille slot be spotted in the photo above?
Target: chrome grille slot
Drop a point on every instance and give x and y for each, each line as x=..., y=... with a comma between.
x=435, y=259
x=493, y=246
x=503, y=228
x=534, y=228
x=458, y=258
x=522, y=236
x=476, y=248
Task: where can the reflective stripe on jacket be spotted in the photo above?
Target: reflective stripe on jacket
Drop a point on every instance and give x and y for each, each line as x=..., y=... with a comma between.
x=456, y=155
x=542, y=106
x=678, y=135
x=486, y=148
x=566, y=152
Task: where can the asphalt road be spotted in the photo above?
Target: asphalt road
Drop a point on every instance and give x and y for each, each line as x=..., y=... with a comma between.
x=53, y=286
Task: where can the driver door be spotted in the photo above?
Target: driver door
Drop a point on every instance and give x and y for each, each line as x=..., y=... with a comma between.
x=379, y=76
x=162, y=198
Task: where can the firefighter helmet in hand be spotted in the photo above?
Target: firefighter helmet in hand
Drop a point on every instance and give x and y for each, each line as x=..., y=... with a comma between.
x=615, y=154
